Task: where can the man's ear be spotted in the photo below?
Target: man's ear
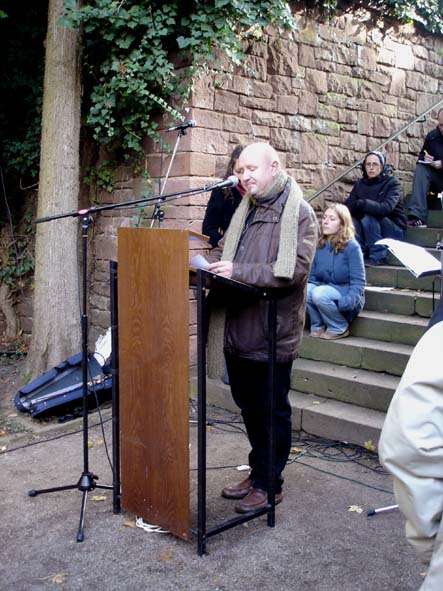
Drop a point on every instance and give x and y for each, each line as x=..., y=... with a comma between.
x=274, y=167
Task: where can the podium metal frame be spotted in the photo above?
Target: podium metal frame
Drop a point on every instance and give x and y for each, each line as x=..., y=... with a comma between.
x=204, y=279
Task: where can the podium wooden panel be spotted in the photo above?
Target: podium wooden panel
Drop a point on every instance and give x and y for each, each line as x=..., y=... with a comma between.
x=153, y=311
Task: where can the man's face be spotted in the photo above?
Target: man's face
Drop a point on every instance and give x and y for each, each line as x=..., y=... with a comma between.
x=440, y=122
x=257, y=170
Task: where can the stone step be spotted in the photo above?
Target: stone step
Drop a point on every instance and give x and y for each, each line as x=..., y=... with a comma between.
x=394, y=328
x=359, y=387
x=314, y=414
x=400, y=301
x=359, y=353
x=427, y=237
x=435, y=218
x=335, y=420
x=396, y=276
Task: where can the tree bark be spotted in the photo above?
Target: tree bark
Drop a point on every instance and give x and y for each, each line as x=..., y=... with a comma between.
x=7, y=308
x=56, y=319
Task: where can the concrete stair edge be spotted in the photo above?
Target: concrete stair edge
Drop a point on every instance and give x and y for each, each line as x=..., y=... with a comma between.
x=332, y=419
x=359, y=353
x=360, y=387
x=323, y=417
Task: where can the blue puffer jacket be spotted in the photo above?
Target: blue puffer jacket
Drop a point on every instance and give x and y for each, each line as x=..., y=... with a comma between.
x=346, y=272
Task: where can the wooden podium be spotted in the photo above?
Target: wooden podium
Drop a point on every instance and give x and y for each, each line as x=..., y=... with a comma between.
x=153, y=312
x=153, y=343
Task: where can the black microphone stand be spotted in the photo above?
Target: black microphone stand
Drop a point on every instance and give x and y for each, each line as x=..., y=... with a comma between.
x=157, y=213
x=88, y=480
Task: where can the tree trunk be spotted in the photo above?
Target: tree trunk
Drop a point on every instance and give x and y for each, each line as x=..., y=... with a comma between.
x=56, y=319
x=7, y=308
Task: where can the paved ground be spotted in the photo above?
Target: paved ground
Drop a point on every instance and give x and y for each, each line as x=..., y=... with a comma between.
x=318, y=544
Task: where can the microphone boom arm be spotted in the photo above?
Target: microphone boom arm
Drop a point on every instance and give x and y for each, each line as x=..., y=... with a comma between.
x=134, y=202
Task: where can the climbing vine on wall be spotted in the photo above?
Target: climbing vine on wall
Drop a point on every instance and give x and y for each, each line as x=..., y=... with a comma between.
x=139, y=53
x=429, y=13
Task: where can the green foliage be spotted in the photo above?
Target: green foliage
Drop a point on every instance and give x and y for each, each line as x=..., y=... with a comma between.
x=140, y=53
x=16, y=253
x=429, y=13
x=101, y=176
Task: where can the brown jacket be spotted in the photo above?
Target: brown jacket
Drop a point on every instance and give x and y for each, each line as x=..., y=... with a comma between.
x=246, y=328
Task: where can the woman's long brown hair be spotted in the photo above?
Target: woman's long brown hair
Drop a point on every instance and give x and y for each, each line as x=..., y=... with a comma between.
x=345, y=232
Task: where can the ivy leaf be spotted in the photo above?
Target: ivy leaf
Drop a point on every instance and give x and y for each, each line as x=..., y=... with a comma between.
x=182, y=42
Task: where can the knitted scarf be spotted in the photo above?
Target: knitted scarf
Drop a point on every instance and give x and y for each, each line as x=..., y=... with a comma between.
x=284, y=266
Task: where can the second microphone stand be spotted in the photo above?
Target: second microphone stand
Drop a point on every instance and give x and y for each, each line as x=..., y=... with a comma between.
x=88, y=480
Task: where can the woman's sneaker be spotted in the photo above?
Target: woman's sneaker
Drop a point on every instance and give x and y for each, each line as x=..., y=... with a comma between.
x=416, y=223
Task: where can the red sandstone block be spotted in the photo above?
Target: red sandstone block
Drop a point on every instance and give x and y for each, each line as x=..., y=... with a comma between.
x=226, y=101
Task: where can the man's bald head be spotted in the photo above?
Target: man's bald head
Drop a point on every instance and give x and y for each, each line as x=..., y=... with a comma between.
x=259, y=163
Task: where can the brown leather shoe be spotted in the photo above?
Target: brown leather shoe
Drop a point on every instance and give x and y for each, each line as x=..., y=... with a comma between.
x=237, y=491
x=255, y=500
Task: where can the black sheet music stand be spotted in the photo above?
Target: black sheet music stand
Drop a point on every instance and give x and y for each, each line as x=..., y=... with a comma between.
x=204, y=280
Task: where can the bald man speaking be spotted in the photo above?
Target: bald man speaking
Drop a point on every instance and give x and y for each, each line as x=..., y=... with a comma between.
x=270, y=243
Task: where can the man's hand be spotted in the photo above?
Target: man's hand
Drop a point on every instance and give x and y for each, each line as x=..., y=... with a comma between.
x=223, y=268
x=437, y=164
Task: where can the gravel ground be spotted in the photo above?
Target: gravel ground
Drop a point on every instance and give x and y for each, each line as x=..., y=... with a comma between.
x=322, y=541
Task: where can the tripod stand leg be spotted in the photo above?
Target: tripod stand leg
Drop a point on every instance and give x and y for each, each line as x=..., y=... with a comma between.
x=34, y=493
x=81, y=527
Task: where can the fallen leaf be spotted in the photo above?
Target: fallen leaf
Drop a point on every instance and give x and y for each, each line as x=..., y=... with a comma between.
x=166, y=555
x=296, y=450
x=423, y=574
x=12, y=415
x=90, y=443
x=57, y=578
x=370, y=445
x=97, y=498
x=99, y=442
x=316, y=402
x=355, y=509
x=3, y=448
x=2, y=432
x=129, y=523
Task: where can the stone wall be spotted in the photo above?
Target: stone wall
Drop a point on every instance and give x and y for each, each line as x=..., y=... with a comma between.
x=322, y=96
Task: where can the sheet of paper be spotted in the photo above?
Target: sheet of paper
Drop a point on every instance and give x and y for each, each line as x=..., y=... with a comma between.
x=199, y=262
x=418, y=260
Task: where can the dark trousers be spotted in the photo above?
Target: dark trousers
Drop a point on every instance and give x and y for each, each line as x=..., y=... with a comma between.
x=249, y=386
x=424, y=176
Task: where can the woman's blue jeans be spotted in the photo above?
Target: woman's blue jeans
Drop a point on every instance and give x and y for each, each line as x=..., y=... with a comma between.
x=370, y=229
x=322, y=308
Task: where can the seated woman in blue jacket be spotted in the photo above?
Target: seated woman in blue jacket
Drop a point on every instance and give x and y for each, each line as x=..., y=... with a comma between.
x=377, y=209
x=336, y=287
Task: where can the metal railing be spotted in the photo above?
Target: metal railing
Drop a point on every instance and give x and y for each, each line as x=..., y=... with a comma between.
x=422, y=117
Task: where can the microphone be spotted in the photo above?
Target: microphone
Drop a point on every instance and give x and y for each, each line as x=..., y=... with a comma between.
x=184, y=125
x=231, y=181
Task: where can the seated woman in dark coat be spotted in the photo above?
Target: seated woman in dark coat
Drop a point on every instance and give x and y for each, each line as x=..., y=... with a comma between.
x=377, y=209
x=336, y=287
x=223, y=203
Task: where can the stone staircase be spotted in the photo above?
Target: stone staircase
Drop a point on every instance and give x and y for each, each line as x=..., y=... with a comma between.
x=341, y=389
